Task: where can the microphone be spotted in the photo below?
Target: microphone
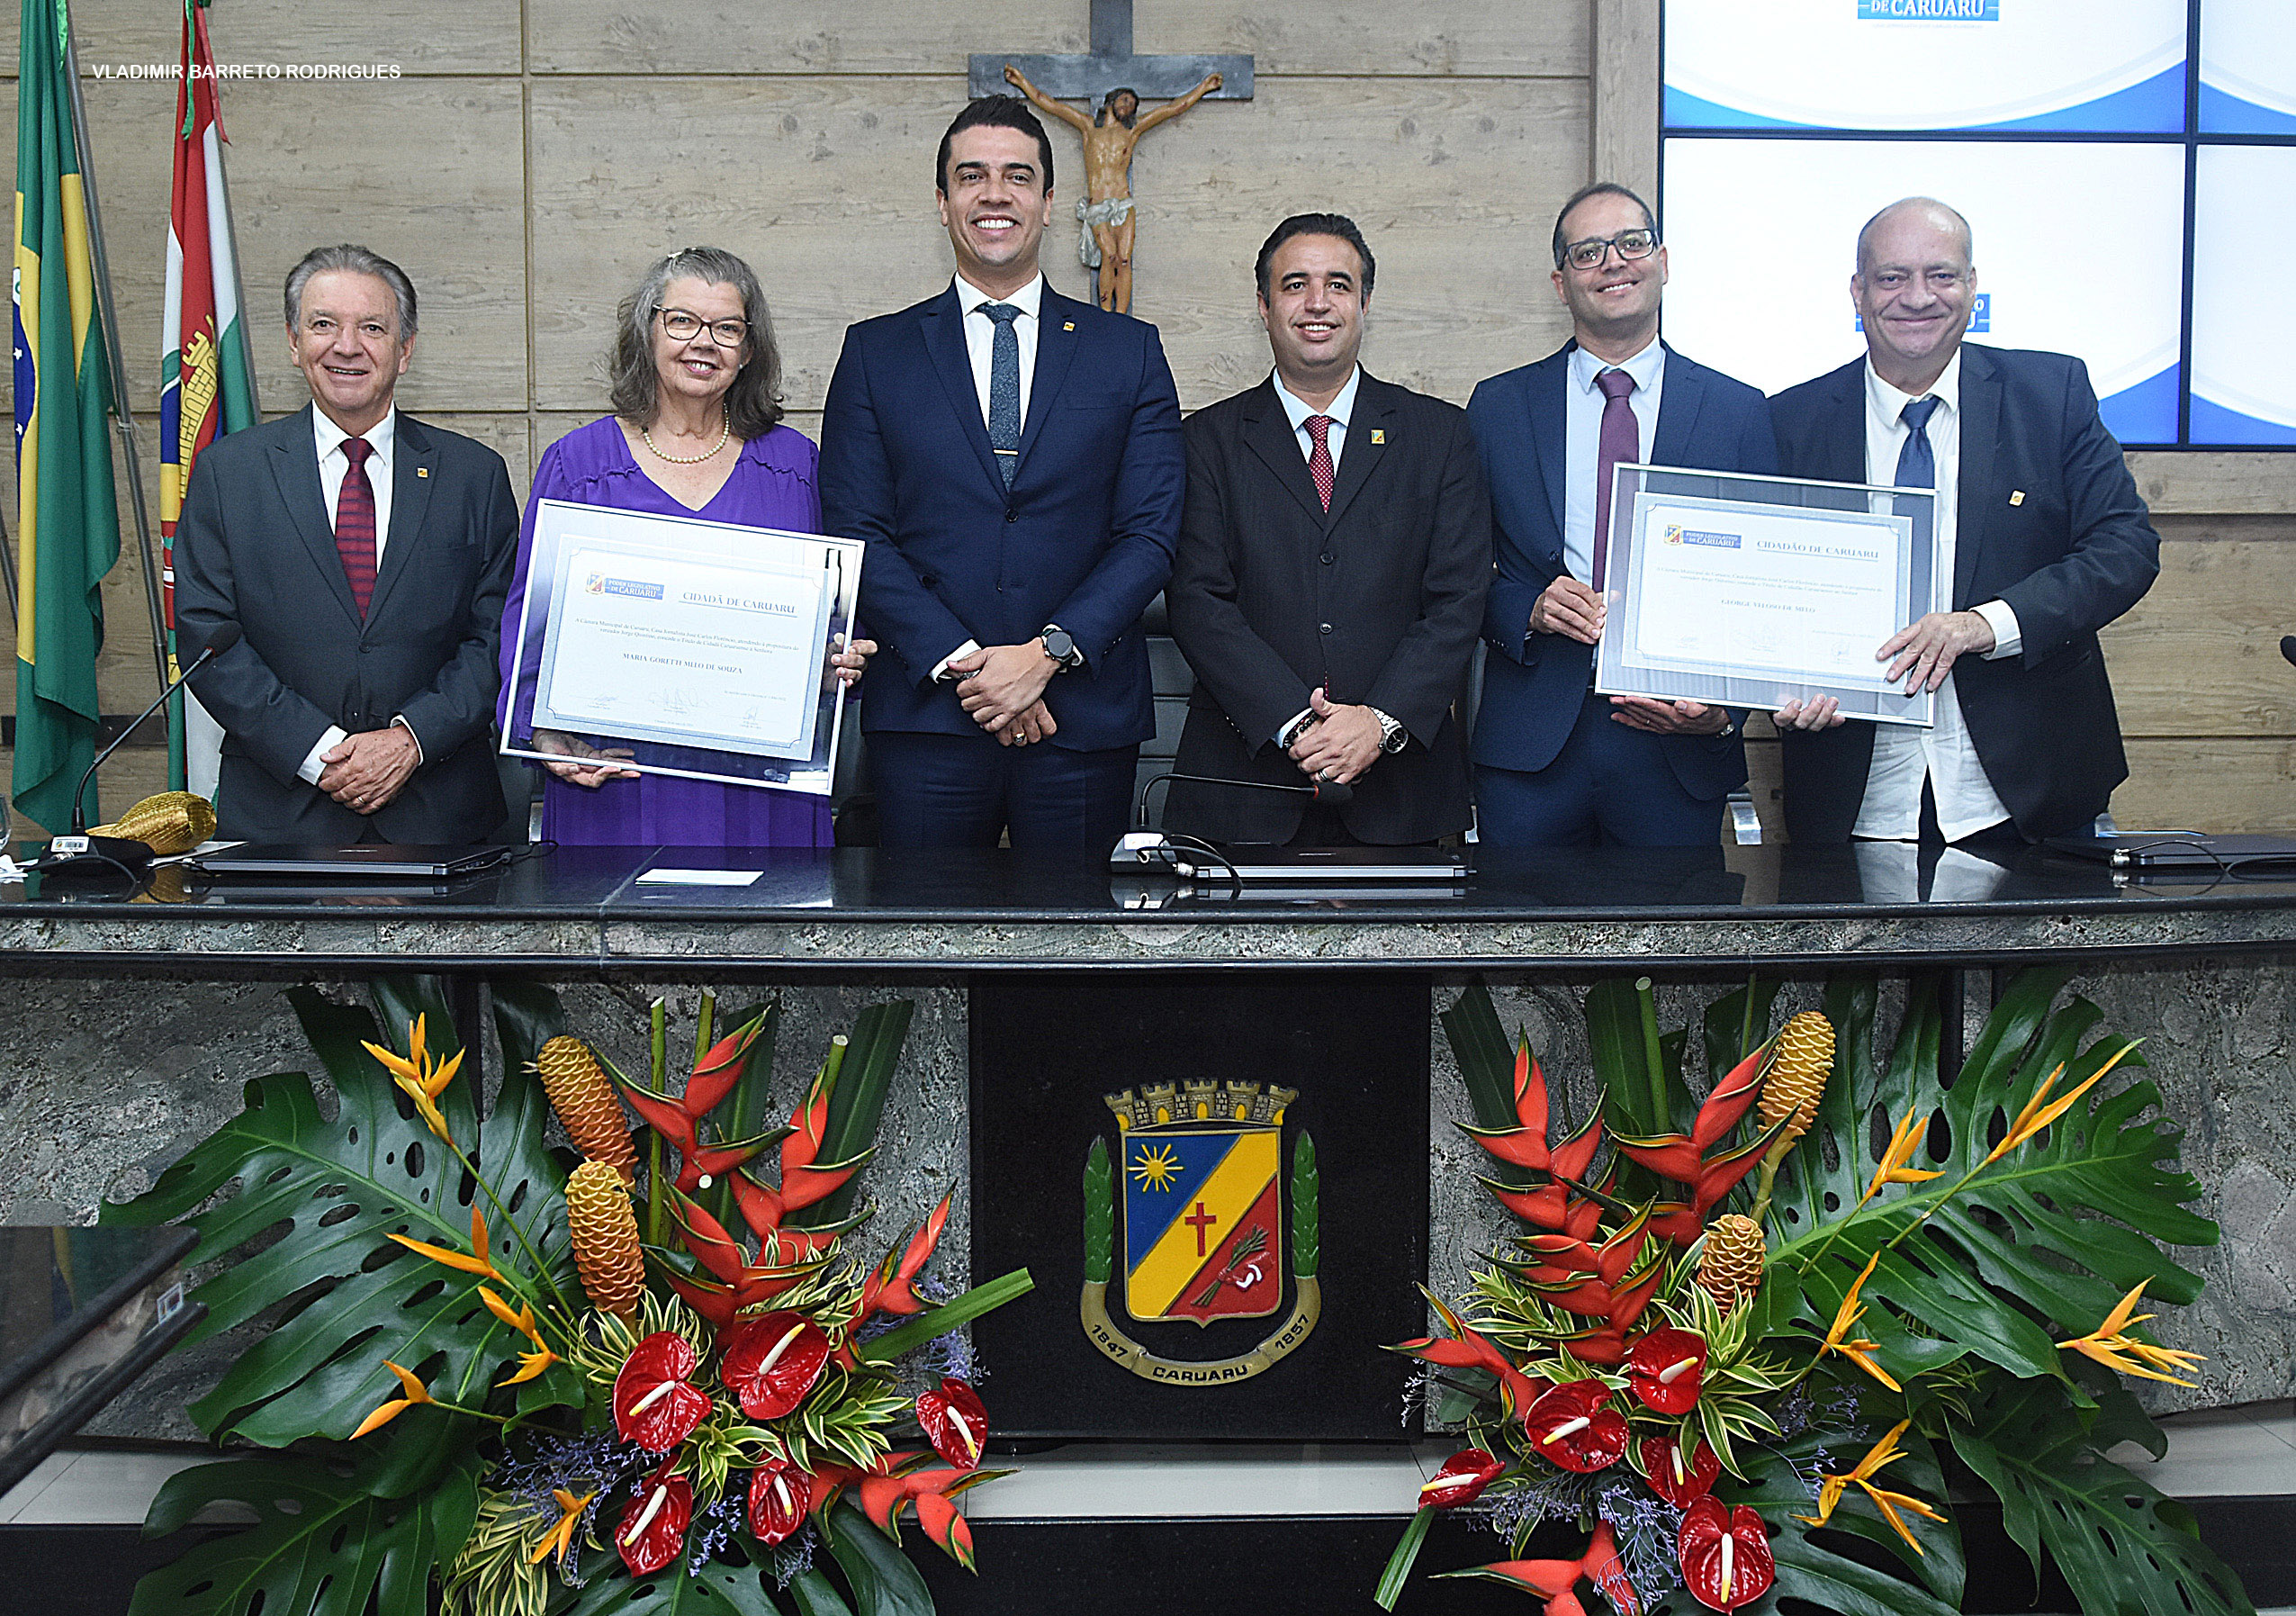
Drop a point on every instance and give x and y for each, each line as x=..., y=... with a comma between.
x=80, y=852
x=1331, y=793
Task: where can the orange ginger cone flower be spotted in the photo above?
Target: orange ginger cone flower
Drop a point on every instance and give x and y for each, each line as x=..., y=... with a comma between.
x=606, y=1239
x=1798, y=1067
x=1730, y=1269
x=586, y=1103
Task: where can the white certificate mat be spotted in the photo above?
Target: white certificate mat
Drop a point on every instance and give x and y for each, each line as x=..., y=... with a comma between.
x=676, y=648
x=1726, y=587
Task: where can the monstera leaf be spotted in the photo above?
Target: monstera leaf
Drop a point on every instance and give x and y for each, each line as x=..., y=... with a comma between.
x=2054, y=1234
x=2097, y=1520
x=335, y=1189
x=328, y=1540
x=883, y=1582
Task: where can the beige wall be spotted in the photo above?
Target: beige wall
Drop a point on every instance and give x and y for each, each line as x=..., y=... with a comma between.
x=531, y=159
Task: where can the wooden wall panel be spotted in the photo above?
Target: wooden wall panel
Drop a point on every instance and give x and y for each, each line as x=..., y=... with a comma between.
x=1484, y=38
x=836, y=213
x=2200, y=655
x=2221, y=784
x=416, y=36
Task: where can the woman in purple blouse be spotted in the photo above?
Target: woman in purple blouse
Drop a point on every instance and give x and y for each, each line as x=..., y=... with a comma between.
x=696, y=431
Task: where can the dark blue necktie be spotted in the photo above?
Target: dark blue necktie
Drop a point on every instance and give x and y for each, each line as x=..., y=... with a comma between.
x=1004, y=388
x=1917, y=462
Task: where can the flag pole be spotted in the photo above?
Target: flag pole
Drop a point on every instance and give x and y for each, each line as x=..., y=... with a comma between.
x=122, y=418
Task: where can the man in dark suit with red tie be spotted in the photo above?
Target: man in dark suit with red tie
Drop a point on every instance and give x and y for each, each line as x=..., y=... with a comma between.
x=364, y=556
x=1557, y=765
x=1013, y=458
x=1329, y=584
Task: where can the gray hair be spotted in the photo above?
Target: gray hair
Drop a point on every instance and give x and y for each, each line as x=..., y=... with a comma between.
x=360, y=261
x=753, y=403
x=1968, y=237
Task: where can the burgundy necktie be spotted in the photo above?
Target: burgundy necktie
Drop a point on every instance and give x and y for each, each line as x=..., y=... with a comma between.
x=1620, y=441
x=1320, y=458
x=354, y=522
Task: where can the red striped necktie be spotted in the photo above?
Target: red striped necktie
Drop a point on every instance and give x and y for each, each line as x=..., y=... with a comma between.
x=354, y=522
x=1320, y=458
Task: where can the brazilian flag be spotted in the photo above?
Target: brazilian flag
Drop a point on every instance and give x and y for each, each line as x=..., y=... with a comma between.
x=67, y=523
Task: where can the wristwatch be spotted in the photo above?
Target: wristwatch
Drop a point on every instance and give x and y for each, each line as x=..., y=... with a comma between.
x=1392, y=737
x=1061, y=647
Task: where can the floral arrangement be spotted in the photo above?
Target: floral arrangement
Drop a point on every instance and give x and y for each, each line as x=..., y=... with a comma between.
x=508, y=1382
x=1738, y=1339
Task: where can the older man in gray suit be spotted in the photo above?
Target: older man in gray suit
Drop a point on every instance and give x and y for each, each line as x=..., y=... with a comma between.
x=364, y=556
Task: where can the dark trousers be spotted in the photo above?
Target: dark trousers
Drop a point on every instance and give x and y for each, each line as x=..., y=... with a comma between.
x=1610, y=786
x=956, y=790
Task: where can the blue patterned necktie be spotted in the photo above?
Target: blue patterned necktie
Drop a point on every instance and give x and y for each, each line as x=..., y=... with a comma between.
x=1004, y=388
x=1917, y=462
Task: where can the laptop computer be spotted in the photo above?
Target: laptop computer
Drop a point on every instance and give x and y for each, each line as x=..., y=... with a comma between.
x=367, y=859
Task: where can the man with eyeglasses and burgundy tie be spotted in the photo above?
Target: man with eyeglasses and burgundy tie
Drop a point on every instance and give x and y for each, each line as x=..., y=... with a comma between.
x=364, y=555
x=1556, y=763
x=2039, y=527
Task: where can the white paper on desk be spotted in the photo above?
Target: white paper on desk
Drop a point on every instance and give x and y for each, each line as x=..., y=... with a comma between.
x=705, y=653
x=1801, y=596
x=699, y=878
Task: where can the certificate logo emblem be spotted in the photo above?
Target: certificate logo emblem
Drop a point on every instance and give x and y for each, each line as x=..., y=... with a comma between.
x=595, y=584
x=1199, y=1172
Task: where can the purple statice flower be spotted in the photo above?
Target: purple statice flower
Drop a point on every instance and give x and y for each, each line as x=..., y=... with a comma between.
x=1647, y=1530
x=709, y=1529
x=952, y=1354
x=792, y=1559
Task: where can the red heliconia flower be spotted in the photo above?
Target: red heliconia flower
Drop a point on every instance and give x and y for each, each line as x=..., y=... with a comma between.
x=654, y=1405
x=1672, y=1477
x=771, y=1361
x=1726, y=1555
x=1550, y=1205
x=1468, y=1350
x=890, y=1289
x=946, y=1525
x=653, y=1529
x=1666, y=1368
x=1574, y=1426
x=1683, y=1157
x=678, y=1121
x=1558, y=1580
x=1605, y=1344
x=955, y=1421
x=780, y=1495
x=1462, y=1480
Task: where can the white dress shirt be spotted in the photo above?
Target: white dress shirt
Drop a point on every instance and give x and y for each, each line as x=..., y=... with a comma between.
x=1943, y=756
x=333, y=465
x=1582, y=406
x=980, y=347
x=1296, y=410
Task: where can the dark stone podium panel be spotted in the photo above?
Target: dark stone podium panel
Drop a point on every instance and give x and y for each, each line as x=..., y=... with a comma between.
x=1047, y=1050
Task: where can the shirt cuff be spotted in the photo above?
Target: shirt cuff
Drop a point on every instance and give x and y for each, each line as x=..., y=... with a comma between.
x=399, y=721
x=961, y=652
x=1289, y=731
x=2008, y=639
x=311, y=767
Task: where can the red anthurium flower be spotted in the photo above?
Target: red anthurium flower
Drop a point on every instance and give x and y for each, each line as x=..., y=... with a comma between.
x=654, y=1405
x=1666, y=1370
x=780, y=1495
x=890, y=1289
x=1726, y=1555
x=653, y=1529
x=1558, y=1580
x=955, y=1421
x=1575, y=1426
x=1672, y=1477
x=771, y=1361
x=1462, y=1480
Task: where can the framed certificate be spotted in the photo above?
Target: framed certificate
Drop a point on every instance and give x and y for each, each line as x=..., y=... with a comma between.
x=1752, y=592
x=682, y=646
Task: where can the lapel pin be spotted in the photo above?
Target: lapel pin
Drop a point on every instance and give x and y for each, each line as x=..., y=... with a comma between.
x=1378, y=436
x=1067, y=325
x=2017, y=496
x=424, y=471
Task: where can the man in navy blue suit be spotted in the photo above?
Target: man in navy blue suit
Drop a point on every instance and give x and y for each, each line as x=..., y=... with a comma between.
x=2040, y=529
x=1556, y=764
x=1013, y=458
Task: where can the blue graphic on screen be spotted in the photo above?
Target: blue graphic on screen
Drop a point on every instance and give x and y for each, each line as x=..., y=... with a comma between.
x=2248, y=68
x=2146, y=412
x=1929, y=11
x=2243, y=344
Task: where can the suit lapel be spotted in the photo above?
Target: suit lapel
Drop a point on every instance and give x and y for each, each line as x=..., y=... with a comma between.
x=414, y=463
x=1551, y=434
x=1268, y=434
x=943, y=330
x=1681, y=395
x=1843, y=459
x=294, y=465
x=1055, y=348
x=1972, y=491
x=1364, y=451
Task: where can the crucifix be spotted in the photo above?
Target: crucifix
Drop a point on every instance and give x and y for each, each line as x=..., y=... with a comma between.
x=1118, y=81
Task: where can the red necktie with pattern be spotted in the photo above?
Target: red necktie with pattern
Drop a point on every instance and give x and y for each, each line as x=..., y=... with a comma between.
x=1620, y=441
x=354, y=522
x=1320, y=458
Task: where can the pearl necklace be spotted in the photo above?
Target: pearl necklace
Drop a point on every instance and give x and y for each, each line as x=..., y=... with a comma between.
x=724, y=432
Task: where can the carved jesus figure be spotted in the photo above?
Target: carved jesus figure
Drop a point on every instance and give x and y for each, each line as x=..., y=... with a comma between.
x=1104, y=218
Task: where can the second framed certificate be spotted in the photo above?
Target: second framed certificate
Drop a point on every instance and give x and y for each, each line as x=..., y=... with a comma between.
x=1741, y=591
